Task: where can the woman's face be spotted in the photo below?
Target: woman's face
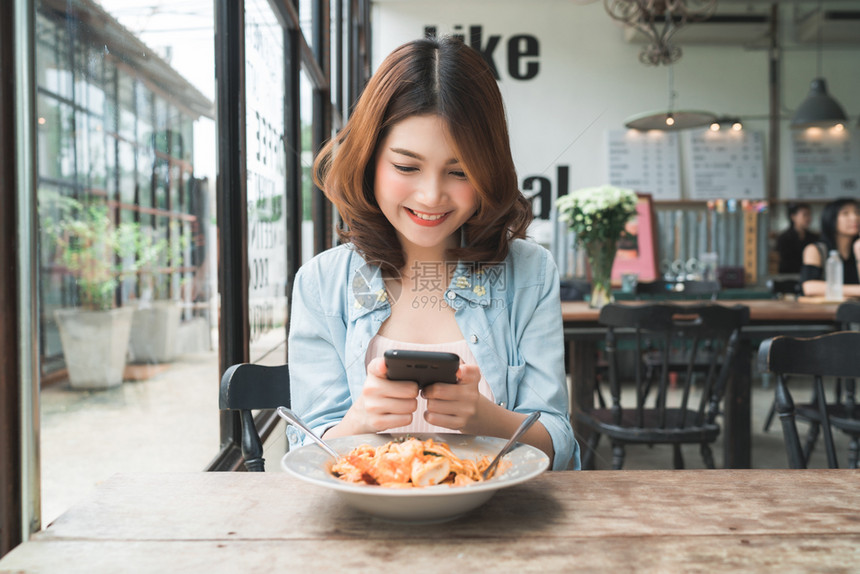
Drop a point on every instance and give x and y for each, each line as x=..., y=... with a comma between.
x=420, y=184
x=801, y=219
x=848, y=220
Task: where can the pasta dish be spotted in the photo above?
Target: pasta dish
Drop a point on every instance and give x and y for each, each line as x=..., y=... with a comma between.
x=408, y=463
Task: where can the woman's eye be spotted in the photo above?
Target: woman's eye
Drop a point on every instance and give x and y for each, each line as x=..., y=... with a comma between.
x=459, y=174
x=405, y=168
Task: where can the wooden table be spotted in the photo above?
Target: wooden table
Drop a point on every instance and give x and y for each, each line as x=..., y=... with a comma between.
x=768, y=318
x=603, y=521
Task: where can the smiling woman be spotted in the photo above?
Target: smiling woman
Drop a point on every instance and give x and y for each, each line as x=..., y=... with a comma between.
x=420, y=186
x=424, y=180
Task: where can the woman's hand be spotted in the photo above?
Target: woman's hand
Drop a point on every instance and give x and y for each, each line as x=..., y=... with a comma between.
x=382, y=405
x=455, y=406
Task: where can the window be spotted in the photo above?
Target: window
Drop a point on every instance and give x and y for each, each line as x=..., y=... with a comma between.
x=125, y=147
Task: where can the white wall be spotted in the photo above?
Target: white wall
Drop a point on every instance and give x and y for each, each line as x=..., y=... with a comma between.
x=590, y=79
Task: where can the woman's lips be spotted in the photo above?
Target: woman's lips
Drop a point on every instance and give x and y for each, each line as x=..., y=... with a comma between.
x=427, y=219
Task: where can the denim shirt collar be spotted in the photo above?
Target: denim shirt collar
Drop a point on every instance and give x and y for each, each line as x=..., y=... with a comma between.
x=367, y=292
x=469, y=285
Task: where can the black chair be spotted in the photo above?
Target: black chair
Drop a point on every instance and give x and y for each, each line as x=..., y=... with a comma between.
x=677, y=290
x=671, y=329
x=661, y=289
x=246, y=387
x=780, y=288
x=848, y=315
x=847, y=319
x=831, y=355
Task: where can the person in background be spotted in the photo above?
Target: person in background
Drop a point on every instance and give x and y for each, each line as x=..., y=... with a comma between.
x=791, y=242
x=434, y=258
x=840, y=230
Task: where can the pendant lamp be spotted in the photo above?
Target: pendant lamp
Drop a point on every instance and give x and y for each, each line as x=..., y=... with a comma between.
x=671, y=119
x=819, y=109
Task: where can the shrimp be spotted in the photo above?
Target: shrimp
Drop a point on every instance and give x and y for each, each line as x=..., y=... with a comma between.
x=408, y=463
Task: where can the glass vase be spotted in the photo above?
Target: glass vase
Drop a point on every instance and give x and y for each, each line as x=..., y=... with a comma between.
x=601, y=255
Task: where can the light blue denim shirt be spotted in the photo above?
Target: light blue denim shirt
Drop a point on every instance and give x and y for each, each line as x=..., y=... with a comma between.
x=510, y=314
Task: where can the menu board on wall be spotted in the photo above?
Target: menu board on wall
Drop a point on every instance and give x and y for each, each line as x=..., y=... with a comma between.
x=725, y=164
x=647, y=162
x=826, y=163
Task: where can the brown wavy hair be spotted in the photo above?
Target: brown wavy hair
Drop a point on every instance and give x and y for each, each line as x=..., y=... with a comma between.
x=440, y=76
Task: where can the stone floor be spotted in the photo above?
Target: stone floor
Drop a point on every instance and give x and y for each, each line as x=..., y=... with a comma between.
x=170, y=423
x=87, y=436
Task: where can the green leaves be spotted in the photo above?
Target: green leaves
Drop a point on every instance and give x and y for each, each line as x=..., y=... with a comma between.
x=93, y=249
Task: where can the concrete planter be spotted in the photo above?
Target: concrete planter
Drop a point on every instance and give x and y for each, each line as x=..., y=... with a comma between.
x=95, y=345
x=153, y=332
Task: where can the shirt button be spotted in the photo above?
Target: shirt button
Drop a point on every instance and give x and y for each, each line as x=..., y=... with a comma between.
x=450, y=295
x=474, y=338
x=502, y=404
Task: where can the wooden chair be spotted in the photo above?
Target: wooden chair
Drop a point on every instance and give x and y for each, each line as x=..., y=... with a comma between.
x=847, y=319
x=831, y=355
x=780, y=288
x=246, y=387
x=677, y=290
x=848, y=315
x=668, y=328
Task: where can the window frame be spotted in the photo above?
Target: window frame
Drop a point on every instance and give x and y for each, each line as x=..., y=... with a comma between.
x=315, y=60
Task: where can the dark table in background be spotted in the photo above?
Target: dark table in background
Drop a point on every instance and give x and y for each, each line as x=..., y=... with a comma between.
x=768, y=318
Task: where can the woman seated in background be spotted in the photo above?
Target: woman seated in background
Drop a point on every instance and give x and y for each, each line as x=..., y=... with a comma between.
x=791, y=242
x=840, y=231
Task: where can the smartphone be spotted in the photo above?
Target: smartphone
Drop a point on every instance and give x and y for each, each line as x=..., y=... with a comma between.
x=423, y=367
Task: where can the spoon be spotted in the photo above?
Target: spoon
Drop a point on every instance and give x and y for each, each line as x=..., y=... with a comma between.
x=294, y=419
x=524, y=426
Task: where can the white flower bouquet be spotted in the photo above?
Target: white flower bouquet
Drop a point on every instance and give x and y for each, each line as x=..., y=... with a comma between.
x=597, y=213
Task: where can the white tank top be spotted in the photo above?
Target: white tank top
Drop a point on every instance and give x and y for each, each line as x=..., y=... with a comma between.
x=379, y=344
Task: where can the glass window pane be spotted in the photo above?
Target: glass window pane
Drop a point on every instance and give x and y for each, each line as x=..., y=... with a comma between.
x=306, y=8
x=53, y=68
x=127, y=107
x=266, y=185
x=49, y=136
x=111, y=111
x=335, y=7
x=307, y=160
x=66, y=130
x=112, y=212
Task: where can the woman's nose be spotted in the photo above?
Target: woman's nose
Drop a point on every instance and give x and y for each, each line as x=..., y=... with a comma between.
x=432, y=191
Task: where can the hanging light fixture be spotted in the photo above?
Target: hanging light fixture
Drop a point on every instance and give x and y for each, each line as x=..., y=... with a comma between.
x=658, y=20
x=726, y=123
x=819, y=109
x=671, y=119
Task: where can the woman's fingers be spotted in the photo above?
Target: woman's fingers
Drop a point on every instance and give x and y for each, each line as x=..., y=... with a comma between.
x=387, y=404
x=453, y=406
x=377, y=368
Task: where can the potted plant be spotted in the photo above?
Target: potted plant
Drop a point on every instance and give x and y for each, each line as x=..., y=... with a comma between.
x=98, y=253
x=157, y=316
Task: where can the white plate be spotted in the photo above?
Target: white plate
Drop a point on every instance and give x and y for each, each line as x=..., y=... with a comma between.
x=428, y=504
